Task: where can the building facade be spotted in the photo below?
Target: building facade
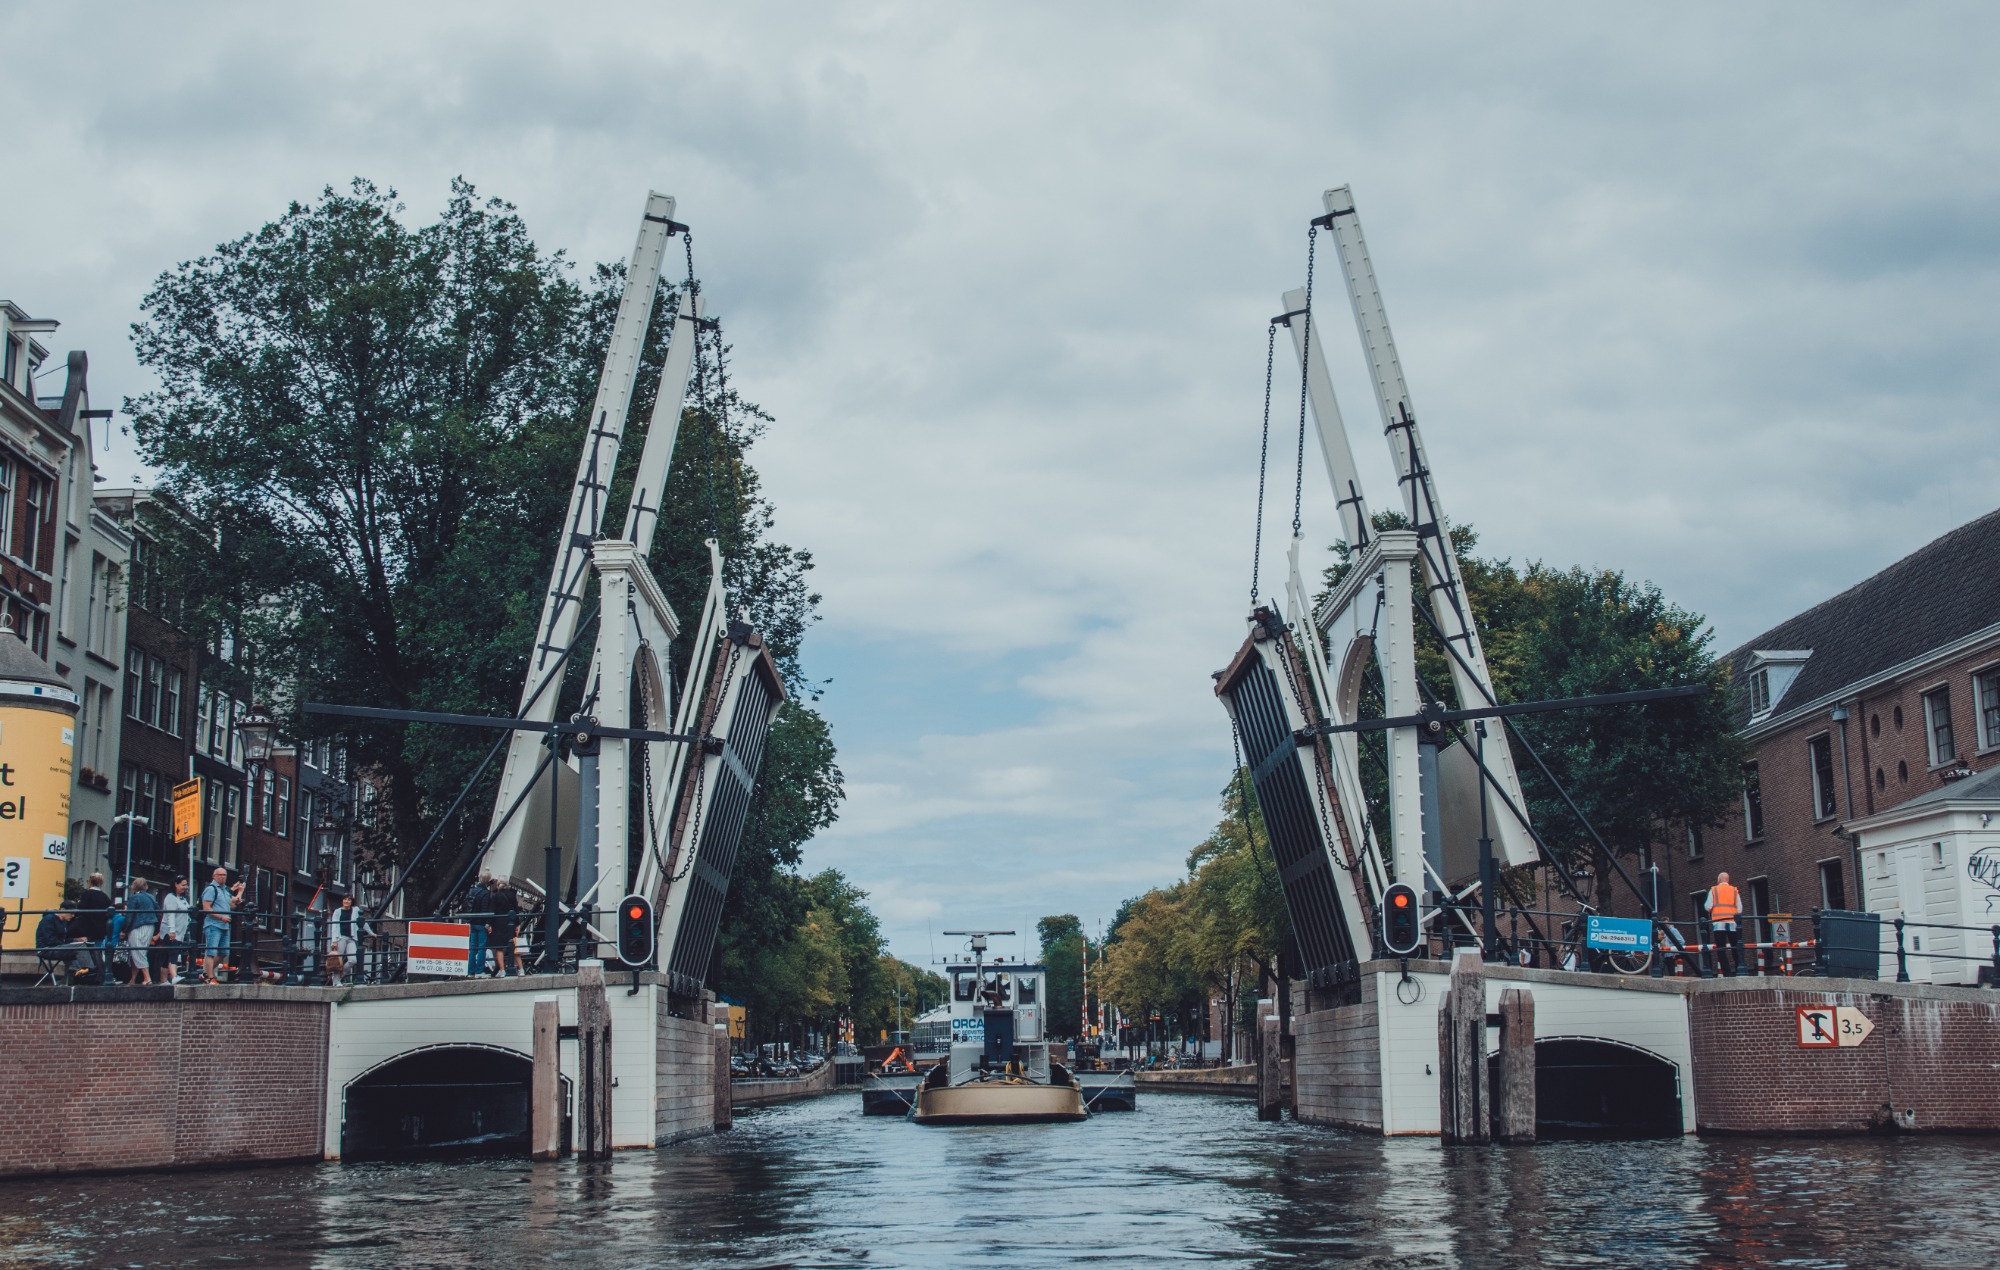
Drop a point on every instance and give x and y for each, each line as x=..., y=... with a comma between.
x=63, y=564
x=1884, y=694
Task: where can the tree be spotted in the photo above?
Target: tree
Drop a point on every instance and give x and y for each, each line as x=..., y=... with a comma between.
x=374, y=429
x=1063, y=950
x=1637, y=773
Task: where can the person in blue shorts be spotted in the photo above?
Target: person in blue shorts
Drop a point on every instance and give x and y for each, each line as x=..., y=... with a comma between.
x=216, y=900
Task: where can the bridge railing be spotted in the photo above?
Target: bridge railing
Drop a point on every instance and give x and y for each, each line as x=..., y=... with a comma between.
x=1771, y=944
x=302, y=948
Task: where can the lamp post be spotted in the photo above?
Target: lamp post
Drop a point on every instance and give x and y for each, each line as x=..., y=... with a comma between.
x=128, y=820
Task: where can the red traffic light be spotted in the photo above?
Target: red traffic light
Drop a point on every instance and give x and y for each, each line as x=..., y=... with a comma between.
x=635, y=931
x=1400, y=899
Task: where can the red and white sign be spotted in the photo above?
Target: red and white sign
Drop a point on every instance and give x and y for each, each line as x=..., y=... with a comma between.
x=440, y=948
x=1817, y=1027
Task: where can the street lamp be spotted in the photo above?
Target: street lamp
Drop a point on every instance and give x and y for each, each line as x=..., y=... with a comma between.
x=258, y=732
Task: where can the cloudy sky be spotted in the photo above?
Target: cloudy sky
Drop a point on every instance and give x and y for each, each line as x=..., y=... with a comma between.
x=1703, y=295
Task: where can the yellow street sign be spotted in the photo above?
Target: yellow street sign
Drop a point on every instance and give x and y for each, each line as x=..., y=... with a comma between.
x=187, y=810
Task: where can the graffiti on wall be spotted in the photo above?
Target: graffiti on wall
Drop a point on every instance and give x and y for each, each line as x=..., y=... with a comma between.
x=1984, y=868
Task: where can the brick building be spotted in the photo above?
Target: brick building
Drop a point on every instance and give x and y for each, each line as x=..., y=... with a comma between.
x=1885, y=693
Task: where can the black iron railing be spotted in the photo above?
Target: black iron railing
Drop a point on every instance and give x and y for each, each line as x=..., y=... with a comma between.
x=311, y=949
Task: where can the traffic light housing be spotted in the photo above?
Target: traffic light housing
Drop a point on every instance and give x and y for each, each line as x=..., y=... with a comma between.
x=635, y=931
x=1402, y=920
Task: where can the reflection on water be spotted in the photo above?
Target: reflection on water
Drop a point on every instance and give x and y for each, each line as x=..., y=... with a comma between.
x=1187, y=1178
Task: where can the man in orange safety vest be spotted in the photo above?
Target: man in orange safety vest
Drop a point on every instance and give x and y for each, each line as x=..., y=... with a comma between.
x=1724, y=904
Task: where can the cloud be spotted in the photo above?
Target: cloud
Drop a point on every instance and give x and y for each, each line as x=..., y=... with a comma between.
x=1703, y=293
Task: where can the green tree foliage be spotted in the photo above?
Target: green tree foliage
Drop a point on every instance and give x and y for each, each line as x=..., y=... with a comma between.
x=378, y=426
x=901, y=993
x=1216, y=932
x=1640, y=774
x=1063, y=949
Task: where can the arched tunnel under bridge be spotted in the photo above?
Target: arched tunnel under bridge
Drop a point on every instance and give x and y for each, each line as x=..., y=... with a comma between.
x=443, y=1100
x=1588, y=1087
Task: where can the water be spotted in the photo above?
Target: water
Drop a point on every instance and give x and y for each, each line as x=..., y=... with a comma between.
x=1185, y=1179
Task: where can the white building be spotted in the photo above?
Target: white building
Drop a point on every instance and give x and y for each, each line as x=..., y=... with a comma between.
x=1935, y=862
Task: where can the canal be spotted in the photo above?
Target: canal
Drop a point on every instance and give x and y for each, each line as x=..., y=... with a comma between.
x=1187, y=1178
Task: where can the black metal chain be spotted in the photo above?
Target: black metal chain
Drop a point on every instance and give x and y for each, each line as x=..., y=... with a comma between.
x=1305, y=362
x=1263, y=461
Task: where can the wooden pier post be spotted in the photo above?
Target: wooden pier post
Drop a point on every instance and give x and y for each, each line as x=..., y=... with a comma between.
x=1462, y=1093
x=1270, y=1071
x=593, y=1040
x=1514, y=1099
x=545, y=1111
x=721, y=1089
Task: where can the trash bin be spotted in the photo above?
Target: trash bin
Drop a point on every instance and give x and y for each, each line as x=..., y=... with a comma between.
x=1850, y=944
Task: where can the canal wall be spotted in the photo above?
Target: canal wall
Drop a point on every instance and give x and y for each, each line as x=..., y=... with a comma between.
x=1239, y=1081
x=1728, y=1049
x=114, y=1078
x=1930, y=1062
x=760, y=1093
x=105, y=1079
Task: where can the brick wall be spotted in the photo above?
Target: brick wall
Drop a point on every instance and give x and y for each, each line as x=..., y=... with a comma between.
x=1337, y=1064
x=135, y=1084
x=1931, y=1055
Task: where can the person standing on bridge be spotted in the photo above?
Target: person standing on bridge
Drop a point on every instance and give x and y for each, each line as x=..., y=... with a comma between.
x=216, y=902
x=478, y=903
x=506, y=910
x=1724, y=904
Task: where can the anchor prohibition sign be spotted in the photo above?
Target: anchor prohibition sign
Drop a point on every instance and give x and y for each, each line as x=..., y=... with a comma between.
x=1829, y=1027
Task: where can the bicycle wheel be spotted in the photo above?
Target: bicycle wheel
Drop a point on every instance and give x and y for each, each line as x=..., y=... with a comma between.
x=1631, y=963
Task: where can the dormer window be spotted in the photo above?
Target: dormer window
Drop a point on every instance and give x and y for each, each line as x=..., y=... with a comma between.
x=1770, y=673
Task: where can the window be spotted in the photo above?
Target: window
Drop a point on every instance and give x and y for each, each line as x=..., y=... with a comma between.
x=149, y=798
x=107, y=608
x=7, y=491
x=232, y=819
x=282, y=814
x=1026, y=995
x=1937, y=726
x=1760, y=692
x=967, y=986
x=266, y=785
x=1758, y=896
x=1832, y=887
x=170, y=703
x=302, y=845
x=1753, y=804
x=203, y=704
x=128, y=788
x=62, y=587
x=156, y=675
x=135, y=683
x=37, y=510
x=235, y=734
x=211, y=820
x=1986, y=691
x=1937, y=855
x=1694, y=843
x=1820, y=749
x=90, y=602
